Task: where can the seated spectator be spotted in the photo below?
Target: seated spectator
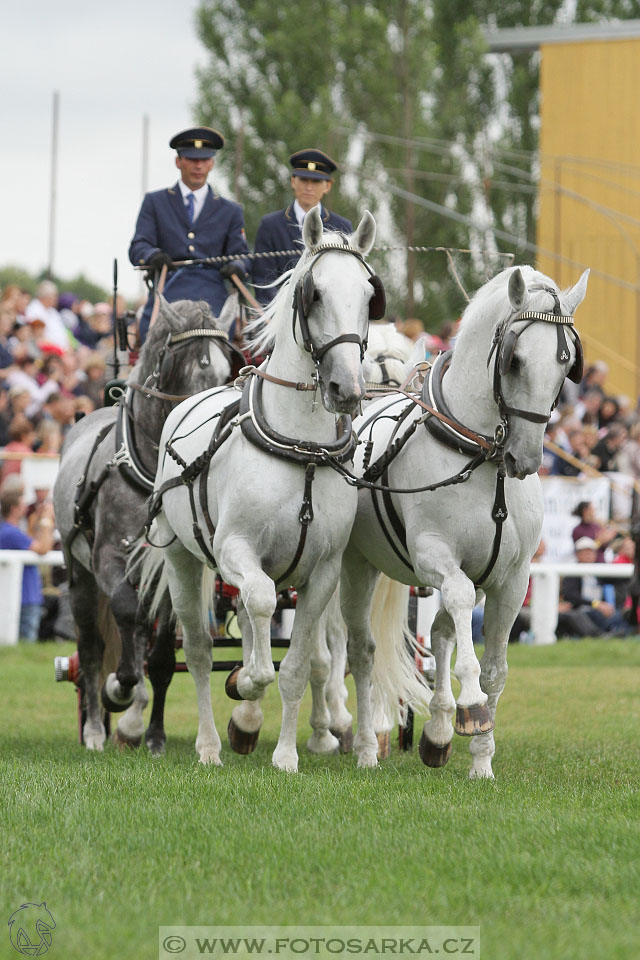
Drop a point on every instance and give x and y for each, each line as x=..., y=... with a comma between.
x=82, y=406
x=21, y=439
x=93, y=386
x=12, y=537
x=6, y=326
x=587, y=409
x=592, y=597
x=594, y=378
x=590, y=526
x=43, y=307
x=84, y=331
x=609, y=412
x=66, y=304
x=578, y=449
x=48, y=437
x=62, y=410
x=606, y=449
x=629, y=455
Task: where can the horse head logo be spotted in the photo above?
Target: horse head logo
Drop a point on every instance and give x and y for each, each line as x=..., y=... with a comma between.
x=30, y=929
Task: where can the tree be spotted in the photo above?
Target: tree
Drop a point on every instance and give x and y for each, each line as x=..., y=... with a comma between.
x=402, y=93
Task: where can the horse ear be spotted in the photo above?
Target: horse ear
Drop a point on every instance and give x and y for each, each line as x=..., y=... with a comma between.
x=312, y=227
x=517, y=289
x=229, y=313
x=365, y=234
x=576, y=295
x=171, y=314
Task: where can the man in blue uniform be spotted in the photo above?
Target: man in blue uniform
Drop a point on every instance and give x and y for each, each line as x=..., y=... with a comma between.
x=190, y=221
x=311, y=180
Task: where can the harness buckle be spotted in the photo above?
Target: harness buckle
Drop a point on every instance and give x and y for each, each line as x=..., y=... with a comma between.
x=121, y=456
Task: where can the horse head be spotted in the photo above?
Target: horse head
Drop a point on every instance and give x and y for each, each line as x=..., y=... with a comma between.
x=334, y=299
x=186, y=350
x=534, y=349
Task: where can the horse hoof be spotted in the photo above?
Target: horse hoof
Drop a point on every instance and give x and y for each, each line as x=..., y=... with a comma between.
x=239, y=740
x=384, y=744
x=344, y=738
x=155, y=744
x=473, y=720
x=114, y=698
x=125, y=743
x=231, y=684
x=432, y=755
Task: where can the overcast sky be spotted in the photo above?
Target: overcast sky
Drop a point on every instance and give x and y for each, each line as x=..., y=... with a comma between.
x=111, y=63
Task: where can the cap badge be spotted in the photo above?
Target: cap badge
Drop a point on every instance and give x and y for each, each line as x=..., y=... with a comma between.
x=311, y=165
x=197, y=144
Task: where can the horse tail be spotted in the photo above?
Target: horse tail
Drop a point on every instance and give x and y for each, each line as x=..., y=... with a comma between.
x=146, y=565
x=110, y=634
x=396, y=682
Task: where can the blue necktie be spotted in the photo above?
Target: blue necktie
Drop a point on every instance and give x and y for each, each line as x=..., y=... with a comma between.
x=191, y=203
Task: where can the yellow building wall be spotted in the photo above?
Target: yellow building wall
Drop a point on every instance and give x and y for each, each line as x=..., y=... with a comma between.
x=589, y=200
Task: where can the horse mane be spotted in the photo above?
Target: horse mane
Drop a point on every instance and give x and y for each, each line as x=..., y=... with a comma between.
x=269, y=324
x=491, y=300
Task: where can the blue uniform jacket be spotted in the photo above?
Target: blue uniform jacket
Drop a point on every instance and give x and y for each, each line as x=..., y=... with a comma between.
x=280, y=231
x=163, y=224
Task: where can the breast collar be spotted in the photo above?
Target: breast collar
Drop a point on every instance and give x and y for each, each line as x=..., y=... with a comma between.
x=432, y=395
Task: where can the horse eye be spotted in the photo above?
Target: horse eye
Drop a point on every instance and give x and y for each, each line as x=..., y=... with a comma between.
x=316, y=294
x=515, y=364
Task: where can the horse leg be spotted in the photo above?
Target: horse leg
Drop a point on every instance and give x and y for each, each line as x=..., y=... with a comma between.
x=240, y=567
x=322, y=740
x=499, y=616
x=184, y=573
x=160, y=667
x=341, y=724
x=295, y=667
x=119, y=688
x=357, y=583
x=246, y=719
x=458, y=599
x=83, y=598
x=435, y=742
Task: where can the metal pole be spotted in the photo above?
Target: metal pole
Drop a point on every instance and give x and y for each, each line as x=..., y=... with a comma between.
x=145, y=153
x=54, y=177
x=145, y=172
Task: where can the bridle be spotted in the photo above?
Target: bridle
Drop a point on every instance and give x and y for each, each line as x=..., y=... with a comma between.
x=174, y=342
x=305, y=295
x=504, y=344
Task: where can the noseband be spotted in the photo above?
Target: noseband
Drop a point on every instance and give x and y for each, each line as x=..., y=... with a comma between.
x=504, y=344
x=305, y=294
x=165, y=364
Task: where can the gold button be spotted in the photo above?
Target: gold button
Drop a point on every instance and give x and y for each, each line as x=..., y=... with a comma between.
x=191, y=249
x=191, y=236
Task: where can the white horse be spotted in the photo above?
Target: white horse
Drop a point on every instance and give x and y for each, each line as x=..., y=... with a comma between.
x=263, y=508
x=496, y=389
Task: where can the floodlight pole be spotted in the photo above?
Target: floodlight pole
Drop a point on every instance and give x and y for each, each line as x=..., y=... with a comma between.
x=54, y=178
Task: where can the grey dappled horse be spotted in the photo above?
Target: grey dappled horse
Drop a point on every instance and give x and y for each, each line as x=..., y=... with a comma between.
x=107, y=467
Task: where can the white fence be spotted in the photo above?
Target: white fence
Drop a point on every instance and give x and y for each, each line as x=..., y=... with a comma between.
x=11, y=564
x=545, y=596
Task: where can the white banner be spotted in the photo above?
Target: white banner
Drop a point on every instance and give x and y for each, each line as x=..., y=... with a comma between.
x=561, y=497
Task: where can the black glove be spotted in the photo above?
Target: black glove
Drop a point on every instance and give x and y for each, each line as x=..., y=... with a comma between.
x=158, y=261
x=234, y=267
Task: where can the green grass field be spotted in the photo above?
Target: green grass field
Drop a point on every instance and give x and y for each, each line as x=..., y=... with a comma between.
x=546, y=859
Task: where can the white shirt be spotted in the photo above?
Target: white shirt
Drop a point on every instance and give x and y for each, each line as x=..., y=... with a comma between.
x=54, y=328
x=200, y=196
x=299, y=212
